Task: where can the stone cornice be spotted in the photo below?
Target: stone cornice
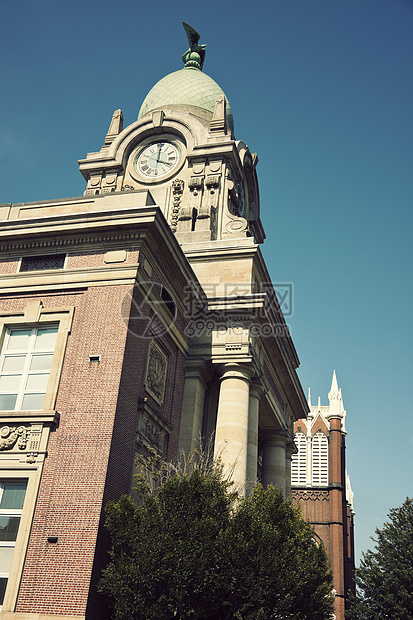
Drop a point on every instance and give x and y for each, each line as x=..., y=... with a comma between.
x=39, y=246
x=51, y=417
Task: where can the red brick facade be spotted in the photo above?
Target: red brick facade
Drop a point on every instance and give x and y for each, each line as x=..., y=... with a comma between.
x=101, y=397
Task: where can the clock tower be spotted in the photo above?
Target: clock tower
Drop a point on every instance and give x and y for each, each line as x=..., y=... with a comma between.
x=183, y=152
x=182, y=149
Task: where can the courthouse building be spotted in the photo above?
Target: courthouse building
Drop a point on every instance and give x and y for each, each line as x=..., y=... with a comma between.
x=139, y=316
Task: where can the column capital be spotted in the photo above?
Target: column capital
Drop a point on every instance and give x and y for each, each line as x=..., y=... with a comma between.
x=235, y=370
x=198, y=367
x=274, y=437
x=256, y=389
x=290, y=449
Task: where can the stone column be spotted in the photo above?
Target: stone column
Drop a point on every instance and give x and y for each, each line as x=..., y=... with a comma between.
x=252, y=450
x=192, y=405
x=289, y=451
x=273, y=459
x=231, y=434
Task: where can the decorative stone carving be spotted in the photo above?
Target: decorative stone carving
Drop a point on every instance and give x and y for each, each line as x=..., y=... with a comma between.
x=236, y=225
x=185, y=214
x=218, y=123
x=310, y=495
x=115, y=127
x=150, y=433
x=157, y=118
x=212, y=182
x=11, y=436
x=196, y=184
x=236, y=198
x=156, y=372
x=196, y=190
x=93, y=185
x=198, y=167
x=153, y=429
x=234, y=222
x=109, y=182
x=204, y=212
x=127, y=188
x=177, y=191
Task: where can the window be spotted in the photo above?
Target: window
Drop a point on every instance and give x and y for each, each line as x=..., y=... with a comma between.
x=298, y=461
x=40, y=263
x=320, y=460
x=25, y=364
x=168, y=301
x=12, y=493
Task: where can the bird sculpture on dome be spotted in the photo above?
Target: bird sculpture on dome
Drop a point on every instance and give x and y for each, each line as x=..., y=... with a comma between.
x=195, y=56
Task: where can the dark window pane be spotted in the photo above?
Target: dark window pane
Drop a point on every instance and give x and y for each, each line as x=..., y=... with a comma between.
x=13, y=495
x=9, y=526
x=168, y=301
x=39, y=263
x=3, y=584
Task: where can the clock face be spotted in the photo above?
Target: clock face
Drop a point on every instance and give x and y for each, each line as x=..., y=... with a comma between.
x=157, y=159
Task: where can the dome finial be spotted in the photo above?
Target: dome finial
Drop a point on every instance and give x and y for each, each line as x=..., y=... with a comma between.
x=195, y=56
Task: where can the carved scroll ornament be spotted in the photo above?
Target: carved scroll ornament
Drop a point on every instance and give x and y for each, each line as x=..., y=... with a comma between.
x=10, y=436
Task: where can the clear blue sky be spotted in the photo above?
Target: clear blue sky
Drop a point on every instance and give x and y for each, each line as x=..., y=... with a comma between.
x=322, y=90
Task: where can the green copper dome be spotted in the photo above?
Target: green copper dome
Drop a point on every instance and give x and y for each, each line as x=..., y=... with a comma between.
x=189, y=87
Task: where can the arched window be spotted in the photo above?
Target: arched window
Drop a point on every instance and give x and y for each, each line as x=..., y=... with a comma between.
x=320, y=460
x=298, y=461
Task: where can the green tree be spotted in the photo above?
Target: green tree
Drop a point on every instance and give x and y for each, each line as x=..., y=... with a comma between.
x=195, y=550
x=385, y=578
x=277, y=568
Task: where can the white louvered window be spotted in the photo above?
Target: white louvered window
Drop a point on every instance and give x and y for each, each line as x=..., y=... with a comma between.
x=25, y=363
x=298, y=461
x=12, y=493
x=320, y=460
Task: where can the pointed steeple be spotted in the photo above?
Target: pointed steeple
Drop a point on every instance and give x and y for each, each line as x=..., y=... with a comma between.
x=309, y=397
x=334, y=384
x=335, y=399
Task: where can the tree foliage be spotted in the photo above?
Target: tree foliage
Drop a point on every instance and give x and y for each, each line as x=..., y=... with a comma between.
x=385, y=578
x=195, y=550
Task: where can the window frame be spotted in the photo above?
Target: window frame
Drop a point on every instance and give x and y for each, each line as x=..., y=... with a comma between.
x=39, y=257
x=34, y=315
x=10, y=512
x=28, y=352
x=299, y=460
x=319, y=460
x=32, y=477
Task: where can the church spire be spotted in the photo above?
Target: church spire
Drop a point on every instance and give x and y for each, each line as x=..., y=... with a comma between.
x=335, y=399
x=334, y=384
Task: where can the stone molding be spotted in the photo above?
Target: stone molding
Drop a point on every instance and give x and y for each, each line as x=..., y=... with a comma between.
x=68, y=278
x=54, y=242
